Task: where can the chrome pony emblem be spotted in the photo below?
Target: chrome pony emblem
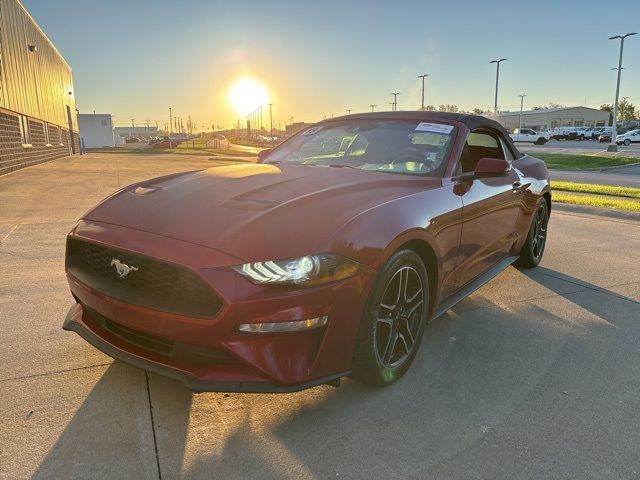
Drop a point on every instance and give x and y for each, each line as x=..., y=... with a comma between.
x=122, y=268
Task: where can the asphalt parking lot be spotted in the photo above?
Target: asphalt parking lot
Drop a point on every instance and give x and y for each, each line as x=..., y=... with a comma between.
x=537, y=375
x=578, y=147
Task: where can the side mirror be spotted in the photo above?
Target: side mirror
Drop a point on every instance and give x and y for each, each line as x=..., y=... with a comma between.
x=262, y=154
x=491, y=167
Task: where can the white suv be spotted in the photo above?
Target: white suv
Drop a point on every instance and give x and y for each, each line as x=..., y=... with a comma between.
x=632, y=136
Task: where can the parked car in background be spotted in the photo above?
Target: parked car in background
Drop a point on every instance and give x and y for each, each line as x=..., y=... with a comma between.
x=586, y=133
x=605, y=137
x=602, y=131
x=564, y=133
x=529, y=135
x=326, y=258
x=132, y=140
x=632, y=136
x=166, y=142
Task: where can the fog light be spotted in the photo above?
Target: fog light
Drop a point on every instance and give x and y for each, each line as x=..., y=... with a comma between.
x=273, y=327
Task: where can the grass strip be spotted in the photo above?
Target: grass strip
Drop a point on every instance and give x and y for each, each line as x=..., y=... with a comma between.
x=562, y=161
x=629, y=192
x=593, y=201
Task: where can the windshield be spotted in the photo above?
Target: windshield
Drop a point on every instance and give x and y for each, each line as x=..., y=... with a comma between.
x=396, y=146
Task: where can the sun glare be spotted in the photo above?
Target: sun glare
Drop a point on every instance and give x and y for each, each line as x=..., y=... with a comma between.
x=246, y=95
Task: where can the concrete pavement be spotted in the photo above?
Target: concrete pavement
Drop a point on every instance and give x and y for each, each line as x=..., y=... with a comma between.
x=534, y=376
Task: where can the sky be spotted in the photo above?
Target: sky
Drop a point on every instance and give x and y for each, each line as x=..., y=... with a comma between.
x=137, y=58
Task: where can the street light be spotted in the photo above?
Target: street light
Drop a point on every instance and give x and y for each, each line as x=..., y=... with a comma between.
x=422, y=77
x=395, y=100
x=613, y=147
x=495, y=102
x=521, y=103
x=373, y=107
x=348, y=111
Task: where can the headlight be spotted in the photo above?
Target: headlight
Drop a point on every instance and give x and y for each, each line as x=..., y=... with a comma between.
x=308, y=270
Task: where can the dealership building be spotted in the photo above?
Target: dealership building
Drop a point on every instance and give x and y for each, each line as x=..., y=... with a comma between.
x=37, y=99
x=548, y=118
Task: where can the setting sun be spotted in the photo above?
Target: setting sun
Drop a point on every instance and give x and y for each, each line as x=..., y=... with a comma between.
x=246, y=95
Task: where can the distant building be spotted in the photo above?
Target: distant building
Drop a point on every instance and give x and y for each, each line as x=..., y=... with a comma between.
x=37, y=99
x=96, y=130
x=548, y=118
x=139, y=131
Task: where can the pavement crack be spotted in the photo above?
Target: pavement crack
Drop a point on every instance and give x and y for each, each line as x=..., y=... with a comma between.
x=10, y=232
x=55, y=372
x=153, y=424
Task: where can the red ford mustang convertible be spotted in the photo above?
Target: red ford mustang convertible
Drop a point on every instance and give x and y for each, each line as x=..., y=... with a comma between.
x=326, y=258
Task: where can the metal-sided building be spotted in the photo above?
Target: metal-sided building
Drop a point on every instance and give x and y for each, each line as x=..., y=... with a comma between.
x=37, y=99
x=96, y=130
x=548, y=118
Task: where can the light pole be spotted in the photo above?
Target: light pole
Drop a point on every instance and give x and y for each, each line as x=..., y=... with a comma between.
x=395, y=100
x=520, y=121
x=271, y=118
x=495, y=102
x=613, y=147
x=422, y=77
x=373, y=107
x=348, y=111
x=170, y=121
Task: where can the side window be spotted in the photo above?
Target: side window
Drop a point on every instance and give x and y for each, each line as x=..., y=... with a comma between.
x=25, y=133
x=47, y=136
x=508, y=156
x=479, y=144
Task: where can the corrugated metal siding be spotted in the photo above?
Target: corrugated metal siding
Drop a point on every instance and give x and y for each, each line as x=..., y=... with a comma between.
x=38, y=83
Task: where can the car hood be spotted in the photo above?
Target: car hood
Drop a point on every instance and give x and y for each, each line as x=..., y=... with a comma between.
x=255, y=210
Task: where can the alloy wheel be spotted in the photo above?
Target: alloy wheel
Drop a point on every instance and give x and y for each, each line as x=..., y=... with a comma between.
x=539, y=232
x=398, y=318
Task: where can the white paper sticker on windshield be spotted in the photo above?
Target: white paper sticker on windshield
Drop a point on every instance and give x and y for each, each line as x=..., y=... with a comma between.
x=312, y=131
x=434, y=127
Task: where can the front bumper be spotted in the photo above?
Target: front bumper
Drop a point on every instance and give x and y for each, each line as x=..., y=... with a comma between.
x=73, y=322
x=209, y=354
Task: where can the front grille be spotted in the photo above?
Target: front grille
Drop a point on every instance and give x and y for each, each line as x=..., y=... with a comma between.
x=150, y=283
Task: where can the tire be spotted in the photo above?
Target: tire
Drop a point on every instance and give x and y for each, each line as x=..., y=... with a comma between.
x=391, y=327
x=533, y=249
x=541, y=141
x=627, y=142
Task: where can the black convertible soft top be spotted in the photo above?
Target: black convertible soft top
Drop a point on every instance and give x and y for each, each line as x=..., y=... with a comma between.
x=471, y=121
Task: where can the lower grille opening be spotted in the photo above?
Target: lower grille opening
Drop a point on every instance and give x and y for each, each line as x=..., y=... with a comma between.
x=193, y=354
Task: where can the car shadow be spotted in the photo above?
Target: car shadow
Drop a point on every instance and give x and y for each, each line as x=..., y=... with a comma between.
x=496, y=391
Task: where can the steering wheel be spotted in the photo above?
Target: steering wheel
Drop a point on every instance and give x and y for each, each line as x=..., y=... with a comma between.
x=409, y=155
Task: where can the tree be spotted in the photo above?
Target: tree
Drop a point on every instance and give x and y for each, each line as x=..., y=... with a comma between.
x=626, y=110
x=430, y=107
x=448, y=108
x=608, y=108
x=478, y=111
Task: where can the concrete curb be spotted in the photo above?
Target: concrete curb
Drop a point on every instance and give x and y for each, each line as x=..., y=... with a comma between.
x=596, y=211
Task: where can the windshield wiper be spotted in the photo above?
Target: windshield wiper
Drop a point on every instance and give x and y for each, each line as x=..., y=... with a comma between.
x=341, y=166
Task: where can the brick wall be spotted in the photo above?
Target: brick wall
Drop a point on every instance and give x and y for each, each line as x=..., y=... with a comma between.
x=14, y=156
